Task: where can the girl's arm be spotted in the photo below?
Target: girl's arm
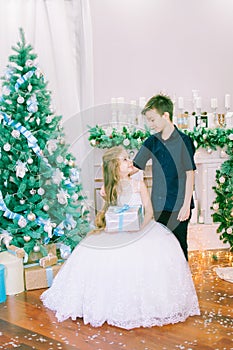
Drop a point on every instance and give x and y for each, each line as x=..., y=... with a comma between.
x=146, y=202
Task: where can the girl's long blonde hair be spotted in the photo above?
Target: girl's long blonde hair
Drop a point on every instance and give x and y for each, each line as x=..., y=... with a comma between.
x=111, y=174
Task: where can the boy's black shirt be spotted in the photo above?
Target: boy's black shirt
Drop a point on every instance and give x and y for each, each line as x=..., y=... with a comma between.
x=171, y=159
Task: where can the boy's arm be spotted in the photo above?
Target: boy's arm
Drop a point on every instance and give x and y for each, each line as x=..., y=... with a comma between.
x=185, y=209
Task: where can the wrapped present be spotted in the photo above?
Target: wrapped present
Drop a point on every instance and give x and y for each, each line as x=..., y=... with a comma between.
x=14, y=282
x=37, y=277
x=19, y=252
x=48, y=260
x=125, y=218
x=51, y=248
x=2, y=284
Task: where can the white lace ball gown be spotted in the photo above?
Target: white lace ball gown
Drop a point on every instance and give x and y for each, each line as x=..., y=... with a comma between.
x=128, y=280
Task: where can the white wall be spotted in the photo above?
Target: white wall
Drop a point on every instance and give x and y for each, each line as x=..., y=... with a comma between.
x=144, y=46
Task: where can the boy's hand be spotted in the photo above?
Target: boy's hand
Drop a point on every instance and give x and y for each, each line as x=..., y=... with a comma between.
x=184, y=213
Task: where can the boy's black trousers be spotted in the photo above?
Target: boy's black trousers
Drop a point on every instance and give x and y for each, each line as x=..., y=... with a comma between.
x=179, y=228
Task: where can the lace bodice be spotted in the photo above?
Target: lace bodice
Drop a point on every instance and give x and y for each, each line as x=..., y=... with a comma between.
x=130, y=194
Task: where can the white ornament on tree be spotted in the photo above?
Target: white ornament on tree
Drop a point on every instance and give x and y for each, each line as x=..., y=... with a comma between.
x=20, y=99
x=46, y=207
x=51, y=146
x=29, y=63
x=49, y=119
x=15, y=134
x=48, y=227
x=60, y=159
x=32, y=191
x=75, y=196
x=30, y=160
x=7, y=147
x=57, y=176
x=36, y=248
x=20, y=169
x=40, y=191
x=22, y=222
x=26, y=238
x=62, y=196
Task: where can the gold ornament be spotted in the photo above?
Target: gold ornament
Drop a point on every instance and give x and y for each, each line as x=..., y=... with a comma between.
x=31, y=216
x=71, y=163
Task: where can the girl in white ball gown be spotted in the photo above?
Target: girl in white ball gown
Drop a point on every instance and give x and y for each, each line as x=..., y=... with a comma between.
x=127, y=279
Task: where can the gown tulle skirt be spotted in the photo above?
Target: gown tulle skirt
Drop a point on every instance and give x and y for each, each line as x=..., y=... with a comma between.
x=128, y=280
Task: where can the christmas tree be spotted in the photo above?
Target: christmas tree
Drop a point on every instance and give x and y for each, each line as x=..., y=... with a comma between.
x=41, y=197
x=223, y=204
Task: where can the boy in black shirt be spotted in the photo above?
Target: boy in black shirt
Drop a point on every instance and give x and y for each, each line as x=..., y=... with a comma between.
x=172, y=155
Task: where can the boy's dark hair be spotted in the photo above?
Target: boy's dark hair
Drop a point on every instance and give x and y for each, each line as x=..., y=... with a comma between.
x=161, y=103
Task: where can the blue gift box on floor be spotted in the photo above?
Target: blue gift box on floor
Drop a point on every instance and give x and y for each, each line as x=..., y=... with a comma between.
x=2, y=284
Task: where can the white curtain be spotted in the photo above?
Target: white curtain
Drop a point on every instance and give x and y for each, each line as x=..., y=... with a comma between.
x=61, y=34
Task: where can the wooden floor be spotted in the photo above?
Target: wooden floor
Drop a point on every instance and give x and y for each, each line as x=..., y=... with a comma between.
x=26, y=324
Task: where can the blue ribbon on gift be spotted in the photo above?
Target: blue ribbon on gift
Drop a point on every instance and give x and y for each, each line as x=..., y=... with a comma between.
x=49, y=275
x=121, y=211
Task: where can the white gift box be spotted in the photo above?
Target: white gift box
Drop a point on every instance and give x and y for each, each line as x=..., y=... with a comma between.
x=14, y=273
x=125, y=218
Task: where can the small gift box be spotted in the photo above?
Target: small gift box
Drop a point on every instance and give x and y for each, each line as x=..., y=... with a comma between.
x=48, y=260
x=126, y=218
x=51, y=248
x=37, y=277
x=19, y=252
